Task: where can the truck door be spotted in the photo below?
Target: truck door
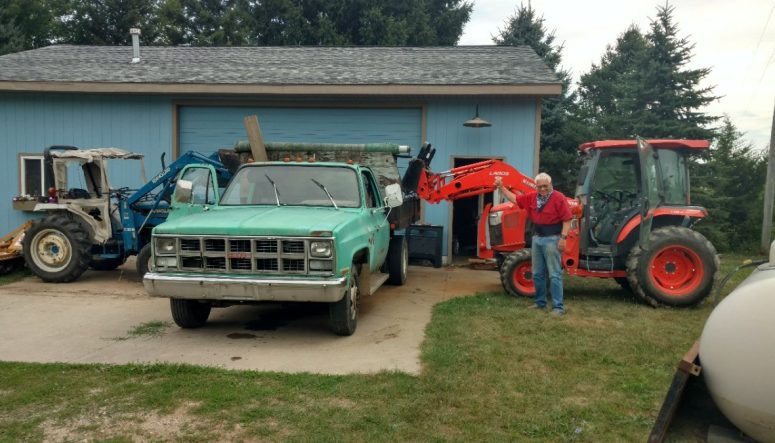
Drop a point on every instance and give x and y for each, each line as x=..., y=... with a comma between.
x=379, y=233
x=651, y=189
x=195, y=190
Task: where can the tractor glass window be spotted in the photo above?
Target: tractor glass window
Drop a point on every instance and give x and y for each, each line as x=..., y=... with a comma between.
x=675, y=180
x=616, y=180
x=202, y=187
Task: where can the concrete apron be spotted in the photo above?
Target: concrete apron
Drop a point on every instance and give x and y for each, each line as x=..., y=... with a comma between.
x=89, y=321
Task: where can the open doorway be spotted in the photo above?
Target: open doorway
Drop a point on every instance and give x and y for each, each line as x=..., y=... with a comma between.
x=466, y=213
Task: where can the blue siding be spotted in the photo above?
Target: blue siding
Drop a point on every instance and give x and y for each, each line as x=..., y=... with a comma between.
x=30, y=122
x=511, y=136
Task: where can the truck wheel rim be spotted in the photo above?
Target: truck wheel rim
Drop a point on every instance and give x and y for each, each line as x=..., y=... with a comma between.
x=676, y=270
x=522, y=277
x=353, y=294
x=51, y=250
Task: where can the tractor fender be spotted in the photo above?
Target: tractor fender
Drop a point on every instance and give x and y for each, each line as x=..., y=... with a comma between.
x=692, y=213
x=99, y=233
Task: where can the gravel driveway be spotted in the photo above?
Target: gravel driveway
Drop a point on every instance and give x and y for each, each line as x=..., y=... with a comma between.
x=106, y=317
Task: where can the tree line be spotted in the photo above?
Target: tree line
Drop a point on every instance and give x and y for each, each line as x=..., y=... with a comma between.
x=27, y=24
x=641, y=86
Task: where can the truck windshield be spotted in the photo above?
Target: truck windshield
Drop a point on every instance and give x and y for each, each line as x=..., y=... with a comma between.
x=294, y=185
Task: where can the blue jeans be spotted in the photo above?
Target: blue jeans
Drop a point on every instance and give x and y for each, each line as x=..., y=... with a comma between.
x=547, y=259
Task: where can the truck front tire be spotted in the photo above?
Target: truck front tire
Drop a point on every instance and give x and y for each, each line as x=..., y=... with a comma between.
x=343, y=314
x=143, y=263
x=189, y=314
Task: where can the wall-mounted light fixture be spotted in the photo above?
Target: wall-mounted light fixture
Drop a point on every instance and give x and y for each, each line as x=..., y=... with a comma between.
x=477, y=122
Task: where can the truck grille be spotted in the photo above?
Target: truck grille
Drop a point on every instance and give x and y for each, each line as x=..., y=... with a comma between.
x=245, y=255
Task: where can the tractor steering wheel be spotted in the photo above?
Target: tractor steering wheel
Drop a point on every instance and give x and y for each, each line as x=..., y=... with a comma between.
x=616, y=195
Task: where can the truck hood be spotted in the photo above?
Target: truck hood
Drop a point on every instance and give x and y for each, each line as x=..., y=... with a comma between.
x=264, y=220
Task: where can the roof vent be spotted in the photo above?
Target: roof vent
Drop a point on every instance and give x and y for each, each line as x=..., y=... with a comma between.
x=135, y=32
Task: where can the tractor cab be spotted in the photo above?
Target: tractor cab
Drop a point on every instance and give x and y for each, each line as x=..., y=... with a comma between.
x=628, y=184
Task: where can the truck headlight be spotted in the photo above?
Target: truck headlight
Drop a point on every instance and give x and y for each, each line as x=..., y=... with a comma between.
x=165, y=245
x=167, y=262
x=320, y=249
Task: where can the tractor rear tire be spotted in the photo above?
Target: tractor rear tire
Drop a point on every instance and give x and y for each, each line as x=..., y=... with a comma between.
x=517, y=274
x=343, y=314
x=189, y=314
x=143, y=263
x=57, y=249
x=678, y=269
x=397, y=260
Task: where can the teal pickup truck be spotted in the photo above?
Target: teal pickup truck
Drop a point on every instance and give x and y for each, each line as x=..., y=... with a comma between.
x=286, y=231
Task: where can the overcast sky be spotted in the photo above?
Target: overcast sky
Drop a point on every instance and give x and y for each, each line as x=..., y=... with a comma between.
x=736, y=39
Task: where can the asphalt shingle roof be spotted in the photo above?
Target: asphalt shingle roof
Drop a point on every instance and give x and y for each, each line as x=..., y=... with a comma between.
x=339, y=66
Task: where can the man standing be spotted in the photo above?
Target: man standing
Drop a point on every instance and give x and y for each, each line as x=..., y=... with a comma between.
x=549, y=211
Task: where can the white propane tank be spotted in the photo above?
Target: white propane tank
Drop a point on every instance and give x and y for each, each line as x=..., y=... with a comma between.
x=737, y=353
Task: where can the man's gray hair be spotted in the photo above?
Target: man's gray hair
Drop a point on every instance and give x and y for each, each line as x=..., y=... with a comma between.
x=543, y=176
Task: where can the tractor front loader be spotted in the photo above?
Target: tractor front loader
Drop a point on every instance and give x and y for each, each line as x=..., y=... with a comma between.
x=633, y=219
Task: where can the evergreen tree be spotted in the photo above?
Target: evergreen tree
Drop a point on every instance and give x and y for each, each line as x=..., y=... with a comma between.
x=642, y=87
x=673, y=93
x=27, y=24
x=722, y=184
x=11, y=39
x=107, y=22
x=560, y=132
x=608, y=94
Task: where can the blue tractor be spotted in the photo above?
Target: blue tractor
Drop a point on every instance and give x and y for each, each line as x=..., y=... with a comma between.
x=98, y=226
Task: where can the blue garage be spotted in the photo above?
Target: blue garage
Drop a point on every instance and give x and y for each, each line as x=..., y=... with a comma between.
x=175, y=99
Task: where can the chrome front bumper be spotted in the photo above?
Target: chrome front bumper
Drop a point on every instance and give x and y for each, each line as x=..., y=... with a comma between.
x=199, y=287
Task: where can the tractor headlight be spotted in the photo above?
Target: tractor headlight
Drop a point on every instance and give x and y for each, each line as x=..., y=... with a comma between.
x=165, y=245
x=166, y=262
x=320, y=249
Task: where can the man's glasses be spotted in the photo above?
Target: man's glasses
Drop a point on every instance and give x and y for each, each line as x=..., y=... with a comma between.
x=542, y=186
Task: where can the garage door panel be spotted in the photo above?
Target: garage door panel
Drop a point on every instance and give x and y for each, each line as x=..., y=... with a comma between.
x=206, y=128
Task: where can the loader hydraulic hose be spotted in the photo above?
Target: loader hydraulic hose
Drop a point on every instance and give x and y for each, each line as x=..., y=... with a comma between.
x=746, y=264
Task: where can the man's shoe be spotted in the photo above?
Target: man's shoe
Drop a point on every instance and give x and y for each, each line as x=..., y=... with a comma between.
x=536, y=307
x=557, y=313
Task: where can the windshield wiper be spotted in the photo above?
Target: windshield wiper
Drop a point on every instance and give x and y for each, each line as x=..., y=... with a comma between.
x=326, y=191
x=276, y=192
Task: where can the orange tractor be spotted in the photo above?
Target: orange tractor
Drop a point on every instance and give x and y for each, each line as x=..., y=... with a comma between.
x=633, y=219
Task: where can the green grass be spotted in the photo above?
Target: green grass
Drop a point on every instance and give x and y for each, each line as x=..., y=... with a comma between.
x=151, y=328
x=14, y=276
x=493, y=371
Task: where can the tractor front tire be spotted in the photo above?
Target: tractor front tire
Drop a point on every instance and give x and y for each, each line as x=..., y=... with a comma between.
x=678, y=269
x=57, y=249
x=517, y=274
x=189, y=314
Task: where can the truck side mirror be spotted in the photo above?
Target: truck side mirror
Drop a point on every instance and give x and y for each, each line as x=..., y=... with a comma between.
x=393, y=195
x=183, y=191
